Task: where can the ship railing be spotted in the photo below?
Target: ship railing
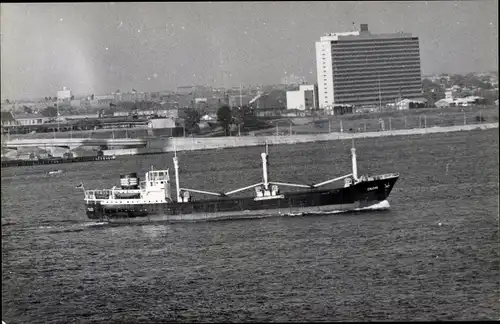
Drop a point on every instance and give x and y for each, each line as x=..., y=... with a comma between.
x=257, y=185
x=127, y=190
x=332, y=180
x=384, y=176
x=98, y=194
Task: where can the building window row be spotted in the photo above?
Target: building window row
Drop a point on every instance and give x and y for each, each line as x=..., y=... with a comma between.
x=367, y=95
x=364, y=54
x=371, y=77
x=375, y=84
x=376, y=67
x=374, y=78
x=379, y=42
x=371, y=89
x=394, y=71
x=350, y=85
x=375, y=56
x=347, y=50
x=382, y=61
x=369, y=50
x=376, y=60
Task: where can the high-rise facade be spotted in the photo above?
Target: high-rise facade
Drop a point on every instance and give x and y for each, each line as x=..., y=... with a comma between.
x=363, y=69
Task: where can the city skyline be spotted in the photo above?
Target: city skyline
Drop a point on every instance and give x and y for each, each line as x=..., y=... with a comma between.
x=98, y=48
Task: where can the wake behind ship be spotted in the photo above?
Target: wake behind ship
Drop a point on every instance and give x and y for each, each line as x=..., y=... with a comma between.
x=151, y=200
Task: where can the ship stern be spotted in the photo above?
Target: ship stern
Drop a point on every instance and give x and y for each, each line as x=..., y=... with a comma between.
x=94, y=210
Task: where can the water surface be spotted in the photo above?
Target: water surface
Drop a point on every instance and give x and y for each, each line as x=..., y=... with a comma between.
x=58, y=267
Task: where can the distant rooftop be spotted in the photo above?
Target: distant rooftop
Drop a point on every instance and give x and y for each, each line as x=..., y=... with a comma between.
x=362, y=33
x=28, y=116
x=7, y=116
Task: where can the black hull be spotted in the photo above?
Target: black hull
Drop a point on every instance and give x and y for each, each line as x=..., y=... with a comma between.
x=357, y=196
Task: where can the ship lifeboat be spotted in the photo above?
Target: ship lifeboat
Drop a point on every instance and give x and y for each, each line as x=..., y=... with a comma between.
x=129, y=181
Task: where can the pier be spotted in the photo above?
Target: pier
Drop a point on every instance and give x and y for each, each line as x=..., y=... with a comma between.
x=17, y=163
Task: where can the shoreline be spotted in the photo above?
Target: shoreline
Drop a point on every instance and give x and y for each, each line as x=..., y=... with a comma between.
x=194, y=144
x=219, y=143
x=168, y=145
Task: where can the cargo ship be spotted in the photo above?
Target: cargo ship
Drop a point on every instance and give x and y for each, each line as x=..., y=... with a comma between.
x=152, y=200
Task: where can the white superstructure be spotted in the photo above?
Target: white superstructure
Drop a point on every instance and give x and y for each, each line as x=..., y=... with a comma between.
x=154, y=189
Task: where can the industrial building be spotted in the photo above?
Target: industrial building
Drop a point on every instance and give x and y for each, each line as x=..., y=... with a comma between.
x=364, y=69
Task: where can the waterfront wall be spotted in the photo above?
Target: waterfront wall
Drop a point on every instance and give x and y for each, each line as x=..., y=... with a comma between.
x=196, y=143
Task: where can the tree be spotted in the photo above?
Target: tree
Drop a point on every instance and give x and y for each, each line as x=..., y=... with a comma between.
x=243, y=115
x=224, y=117
x=432, y=92
x=49, y=112
x=192, y=118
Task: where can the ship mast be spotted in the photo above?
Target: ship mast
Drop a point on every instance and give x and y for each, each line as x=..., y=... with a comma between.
x=354, y=163
x=264, y=171
x=177, y=186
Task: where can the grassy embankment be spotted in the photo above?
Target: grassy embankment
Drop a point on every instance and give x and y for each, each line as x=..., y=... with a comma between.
x=370, y=122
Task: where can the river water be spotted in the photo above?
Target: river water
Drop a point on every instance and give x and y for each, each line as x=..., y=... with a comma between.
x=400, y=264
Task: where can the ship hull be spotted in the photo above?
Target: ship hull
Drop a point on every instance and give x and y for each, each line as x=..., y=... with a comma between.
x=364, y=195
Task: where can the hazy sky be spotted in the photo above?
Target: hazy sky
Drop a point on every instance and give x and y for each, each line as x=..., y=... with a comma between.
x=101, y=47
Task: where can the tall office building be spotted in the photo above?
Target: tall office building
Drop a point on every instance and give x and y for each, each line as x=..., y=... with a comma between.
x=364, y=69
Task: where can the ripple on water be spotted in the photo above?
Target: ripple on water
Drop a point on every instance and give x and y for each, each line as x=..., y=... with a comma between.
x=397, y=264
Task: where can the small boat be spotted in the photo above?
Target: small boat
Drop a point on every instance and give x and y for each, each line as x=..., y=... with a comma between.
x=152, y=200
x=55, y=172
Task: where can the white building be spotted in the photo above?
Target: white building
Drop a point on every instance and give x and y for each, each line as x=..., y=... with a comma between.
x=30, y=119
x=449, y=94
x=406, y=104
x=461, y=102
x=360, y=68
x=305, y=98
x=64, y=94
x=200, y=100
